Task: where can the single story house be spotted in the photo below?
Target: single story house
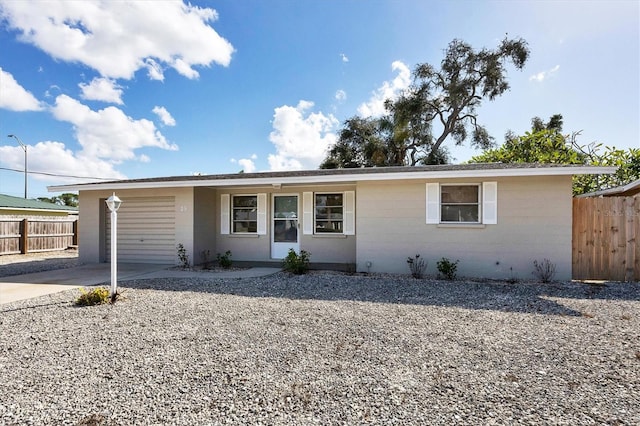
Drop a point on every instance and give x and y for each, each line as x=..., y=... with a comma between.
x=24, y=208
x=496, y=219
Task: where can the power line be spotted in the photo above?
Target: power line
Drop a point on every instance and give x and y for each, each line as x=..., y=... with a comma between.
x=55, y=174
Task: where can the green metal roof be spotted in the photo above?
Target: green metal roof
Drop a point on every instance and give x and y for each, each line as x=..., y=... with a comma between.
x=8, y=202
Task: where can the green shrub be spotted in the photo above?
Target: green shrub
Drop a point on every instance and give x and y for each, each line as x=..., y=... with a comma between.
x=447, y=268
x=183, y=256
x=97, y=296
x=224, y=260
x=296, y=263
x=417, y=265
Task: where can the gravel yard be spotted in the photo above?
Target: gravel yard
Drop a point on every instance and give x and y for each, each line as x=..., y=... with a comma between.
x=325, y=348
x=16, y=264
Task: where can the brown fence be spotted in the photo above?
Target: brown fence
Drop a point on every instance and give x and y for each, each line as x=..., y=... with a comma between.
x=29, y=235
x=606, y=238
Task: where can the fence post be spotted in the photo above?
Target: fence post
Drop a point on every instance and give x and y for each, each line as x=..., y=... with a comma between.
x=24, y=236
x=74, y=241
x=630, y=237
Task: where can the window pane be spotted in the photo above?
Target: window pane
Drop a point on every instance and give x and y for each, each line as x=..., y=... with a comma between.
x=329, y=210
x=245, y=201
x=454, y=194
x=245, y=214
x=245, y=226
x=459, y=213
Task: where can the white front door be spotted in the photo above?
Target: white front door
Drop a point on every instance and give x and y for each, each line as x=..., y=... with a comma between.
x=284, y=232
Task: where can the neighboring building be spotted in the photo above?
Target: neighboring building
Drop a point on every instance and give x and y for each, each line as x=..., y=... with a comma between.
x=631, y=189
x=21, y=208
x=495, y=218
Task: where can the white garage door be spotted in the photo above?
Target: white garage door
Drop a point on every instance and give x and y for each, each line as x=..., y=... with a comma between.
x=146, y=230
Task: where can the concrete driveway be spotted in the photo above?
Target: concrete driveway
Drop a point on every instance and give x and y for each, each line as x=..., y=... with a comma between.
x=20, y=287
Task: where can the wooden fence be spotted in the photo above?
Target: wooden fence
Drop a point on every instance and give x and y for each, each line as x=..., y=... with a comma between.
x=30, y=235
x=606, y=238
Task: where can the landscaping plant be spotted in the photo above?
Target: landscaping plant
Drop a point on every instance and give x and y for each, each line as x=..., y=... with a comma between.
x=97, y=296
x=447, y=268
x=544, y=271
x=417, y=266
x=183, y=256
x=296, y=263
x=224, y=260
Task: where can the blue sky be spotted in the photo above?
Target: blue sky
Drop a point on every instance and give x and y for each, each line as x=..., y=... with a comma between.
x=102, y=89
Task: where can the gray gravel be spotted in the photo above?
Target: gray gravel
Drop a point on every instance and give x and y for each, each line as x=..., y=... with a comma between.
x=325, y=348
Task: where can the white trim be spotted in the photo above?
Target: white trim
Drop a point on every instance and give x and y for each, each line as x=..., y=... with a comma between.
x=307, y=213
x=349, y=213
x=432, y=207
x=342, y=178
x=262, y=214
x=490, y=203
x=22, y=209
x=225, y=214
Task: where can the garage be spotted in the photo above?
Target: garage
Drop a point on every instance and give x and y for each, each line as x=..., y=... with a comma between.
x=146, y=230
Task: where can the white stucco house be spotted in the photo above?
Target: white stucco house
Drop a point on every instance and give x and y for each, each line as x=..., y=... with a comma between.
x=495, y=218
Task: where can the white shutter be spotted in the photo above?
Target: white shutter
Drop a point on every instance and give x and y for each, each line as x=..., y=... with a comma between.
x=225, y=224
x=262, y=214
x=349, y=213
x=307, y=213
x=490, y=203
x=433, y=203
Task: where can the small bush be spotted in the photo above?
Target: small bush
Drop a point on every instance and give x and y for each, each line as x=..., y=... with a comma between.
x=224, y=260
x=447, y=268
x=296, y=263
x=183, y=256
x=97, y=296
x=417, y=265
x=544, y=271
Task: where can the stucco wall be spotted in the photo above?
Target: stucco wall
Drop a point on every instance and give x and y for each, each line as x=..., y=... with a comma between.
x=92, y=215
x=534, y=222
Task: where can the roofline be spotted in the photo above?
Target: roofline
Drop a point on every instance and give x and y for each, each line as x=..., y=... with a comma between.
x=342, y=177
x=38, y=210
x=613, y=191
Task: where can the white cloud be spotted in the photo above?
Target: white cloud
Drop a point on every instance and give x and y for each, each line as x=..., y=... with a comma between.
x=344, y=57
x=117, y=38
x=108, y=134
x=102, y=89
x=341, y=95
x=164, y=116
x=14, y=97
x=389, y=90
x=301, y=139
x=248, y=164
x=55, y=158
x=543, y=75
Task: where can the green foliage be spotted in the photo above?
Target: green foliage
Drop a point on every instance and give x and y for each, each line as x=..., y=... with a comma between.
x=183, y=256
x=66, y=199
x=417, y=266
x=96, y=296
x=447, y=268
x=546, y=144
x=224, y=260
x=544, y=271
x=296, y=263
x=440, y=103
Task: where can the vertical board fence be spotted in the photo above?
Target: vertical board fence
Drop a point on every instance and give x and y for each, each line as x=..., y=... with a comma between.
x=30, y=235
x=606, y=238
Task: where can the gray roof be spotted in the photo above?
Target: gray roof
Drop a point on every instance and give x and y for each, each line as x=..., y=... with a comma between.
x=344, y=175
x=16, y=203
x=627, y=190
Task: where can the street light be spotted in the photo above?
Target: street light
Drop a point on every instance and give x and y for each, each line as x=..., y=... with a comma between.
x=114, y=203
x=25, y=162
